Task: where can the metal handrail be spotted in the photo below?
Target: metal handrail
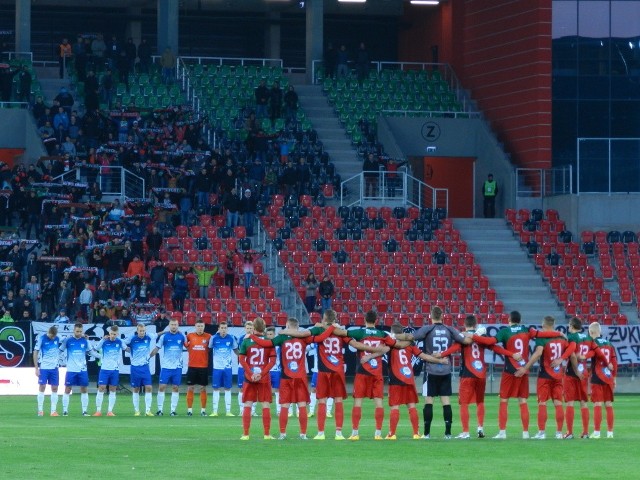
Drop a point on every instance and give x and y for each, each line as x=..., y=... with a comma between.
x=242, y=61
x=432, y=113
x=24, y=105
x=412, y=191
x=16, y=54
x=544, y=182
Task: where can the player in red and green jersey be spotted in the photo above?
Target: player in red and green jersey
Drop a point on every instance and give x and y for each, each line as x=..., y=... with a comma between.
x=293, y=375
x=331, y=380
x=576, y=379
x=369, y=382
x=256, y=362
x=473, y=377
x=551, y=352
x=402, y=384
x=604, y=368
x=514, y=338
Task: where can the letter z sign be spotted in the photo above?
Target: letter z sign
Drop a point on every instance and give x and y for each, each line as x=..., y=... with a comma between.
x=430, y=131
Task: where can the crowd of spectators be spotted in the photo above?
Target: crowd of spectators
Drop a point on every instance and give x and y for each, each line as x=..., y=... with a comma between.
x=71, y=250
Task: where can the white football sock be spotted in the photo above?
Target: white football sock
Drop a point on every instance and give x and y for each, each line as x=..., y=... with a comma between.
x=65, y=402
x=147, y=401
x=99, y=398
x=312, y=404
x=84, y=401
x=160, y=400
x=40, y=401
x=216, y=400
x=175, y=397
x=136, y=401
x=54, y=401
x=112, y=401
x=227, y=400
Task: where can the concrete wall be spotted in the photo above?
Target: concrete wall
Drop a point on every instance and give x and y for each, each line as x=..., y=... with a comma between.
x=453, y=137
x=597, y=211
x=18, y=130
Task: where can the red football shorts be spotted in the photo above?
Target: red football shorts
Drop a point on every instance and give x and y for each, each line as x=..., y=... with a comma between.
x=331, y=385
x=294, y=390
x=402, y=394
x=575, y=390
x=601, y=392
x=368, y=386
x=471, y=390
x=549, y=389
x=514, y=387
x=256, y=392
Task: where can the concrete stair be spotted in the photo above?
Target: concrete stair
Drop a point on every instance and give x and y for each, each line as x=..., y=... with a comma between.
x=330, y=132
x=510, y=272
x=51, y=84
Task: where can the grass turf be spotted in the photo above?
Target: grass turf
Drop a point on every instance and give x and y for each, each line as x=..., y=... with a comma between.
x=194, y=447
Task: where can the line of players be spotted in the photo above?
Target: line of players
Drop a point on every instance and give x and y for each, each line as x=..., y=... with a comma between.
x=257, y=357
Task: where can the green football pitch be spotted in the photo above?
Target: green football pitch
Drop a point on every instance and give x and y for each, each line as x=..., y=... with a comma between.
x=203, y=447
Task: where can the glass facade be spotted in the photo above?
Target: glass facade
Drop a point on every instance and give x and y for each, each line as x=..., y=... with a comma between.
x=596, y=89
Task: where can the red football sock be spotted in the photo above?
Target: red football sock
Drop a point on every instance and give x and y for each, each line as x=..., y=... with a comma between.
x=480, y=414
x=584, y=411
x=283, y=418
x=379, y=416
x=502, y=416
x=524, y=415
x=246, y=419
x=394, y=418
x=356, y=414
x=597, y=417
x=542, y=417
x=189, y=398
x=322, y=416
x=569, y=415
x=304, y=420
x=266, y=420
x=339, y=415
x=464, y=417
x=203, y=399
x=413, y=416
x=609, y=418
x=559, y=418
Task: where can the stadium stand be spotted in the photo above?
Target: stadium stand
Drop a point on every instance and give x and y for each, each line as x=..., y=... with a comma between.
x=569, y=268
x=378, y=266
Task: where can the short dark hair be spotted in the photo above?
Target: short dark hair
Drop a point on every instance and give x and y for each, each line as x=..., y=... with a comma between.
x=575, y=323
x=515, y=317
x=370, y=317
x=470, y=321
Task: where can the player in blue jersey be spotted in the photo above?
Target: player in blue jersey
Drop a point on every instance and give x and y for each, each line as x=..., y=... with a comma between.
x=46, y=355
x=223, y=346
x=139, y=346
x=274, y=373
x=109, y=376
x=76, y=349
x=248, y=331
x=171, y=343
